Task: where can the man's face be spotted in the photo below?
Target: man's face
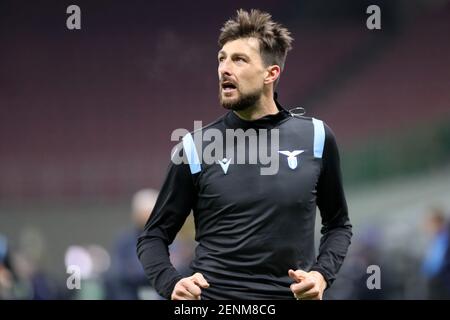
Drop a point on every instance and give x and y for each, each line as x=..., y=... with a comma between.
x=241, y=74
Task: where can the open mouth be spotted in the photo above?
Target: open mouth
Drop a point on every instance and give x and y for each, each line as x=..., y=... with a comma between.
x=228, y=87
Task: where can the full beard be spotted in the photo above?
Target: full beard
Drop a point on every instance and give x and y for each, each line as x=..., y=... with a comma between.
x=242, y=102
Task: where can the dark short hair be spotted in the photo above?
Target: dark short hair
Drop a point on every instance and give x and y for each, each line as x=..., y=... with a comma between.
x=274, y=39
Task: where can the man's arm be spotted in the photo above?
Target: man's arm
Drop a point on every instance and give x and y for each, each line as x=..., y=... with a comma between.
x=175, y=201
x=336, y=228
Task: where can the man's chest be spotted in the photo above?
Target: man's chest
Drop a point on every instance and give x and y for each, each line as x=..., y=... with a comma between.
x=239, y=176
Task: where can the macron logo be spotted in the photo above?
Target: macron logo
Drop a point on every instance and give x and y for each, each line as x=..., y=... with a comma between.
x=224, y=163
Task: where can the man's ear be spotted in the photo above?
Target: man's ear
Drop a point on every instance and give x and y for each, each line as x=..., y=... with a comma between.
x=272, y=74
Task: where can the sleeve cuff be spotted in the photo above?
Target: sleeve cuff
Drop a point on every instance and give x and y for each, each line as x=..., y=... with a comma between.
x=328, y=278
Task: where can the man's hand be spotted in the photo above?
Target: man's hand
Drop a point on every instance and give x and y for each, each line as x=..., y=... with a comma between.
x=189, y=288
x=308, y=285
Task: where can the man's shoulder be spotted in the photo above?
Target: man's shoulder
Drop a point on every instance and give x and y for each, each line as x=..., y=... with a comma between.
x=300, y=119
x=188, y=140
x=216, y=124
x=316, y=122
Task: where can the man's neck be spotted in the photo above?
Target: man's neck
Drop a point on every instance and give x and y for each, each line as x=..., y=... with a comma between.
x=263, y=108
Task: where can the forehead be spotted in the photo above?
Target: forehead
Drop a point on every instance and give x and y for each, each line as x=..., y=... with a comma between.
x=249, y=46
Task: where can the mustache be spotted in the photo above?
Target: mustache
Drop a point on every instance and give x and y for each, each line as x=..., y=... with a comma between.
x=226, y=79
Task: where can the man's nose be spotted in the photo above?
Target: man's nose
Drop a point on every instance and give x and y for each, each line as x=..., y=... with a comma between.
x=224, y=69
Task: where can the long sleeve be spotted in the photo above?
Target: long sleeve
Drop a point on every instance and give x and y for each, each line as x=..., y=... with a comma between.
x=336, y=227
x=175, y=201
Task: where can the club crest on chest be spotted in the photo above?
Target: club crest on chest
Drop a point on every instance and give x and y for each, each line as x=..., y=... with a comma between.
x=292, y=157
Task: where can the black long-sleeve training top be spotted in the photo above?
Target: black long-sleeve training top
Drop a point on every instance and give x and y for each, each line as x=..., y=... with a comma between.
x=252, y=228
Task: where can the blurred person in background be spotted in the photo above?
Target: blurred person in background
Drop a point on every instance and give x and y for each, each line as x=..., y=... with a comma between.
x=6, y=274
x=33, y=279
x=125, y=279
x=436, y=264
x=21, y=273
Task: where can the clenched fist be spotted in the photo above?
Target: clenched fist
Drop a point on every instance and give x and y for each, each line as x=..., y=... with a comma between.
x=189, y=288
x=308, y=285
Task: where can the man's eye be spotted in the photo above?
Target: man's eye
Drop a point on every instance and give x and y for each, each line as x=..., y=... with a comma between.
x=221, y=59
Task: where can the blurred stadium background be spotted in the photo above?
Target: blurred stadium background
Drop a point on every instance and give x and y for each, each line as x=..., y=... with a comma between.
x=86, y=118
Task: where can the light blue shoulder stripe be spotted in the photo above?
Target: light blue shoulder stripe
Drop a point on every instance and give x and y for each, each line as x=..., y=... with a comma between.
x=191, y=154
x=319, y=137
